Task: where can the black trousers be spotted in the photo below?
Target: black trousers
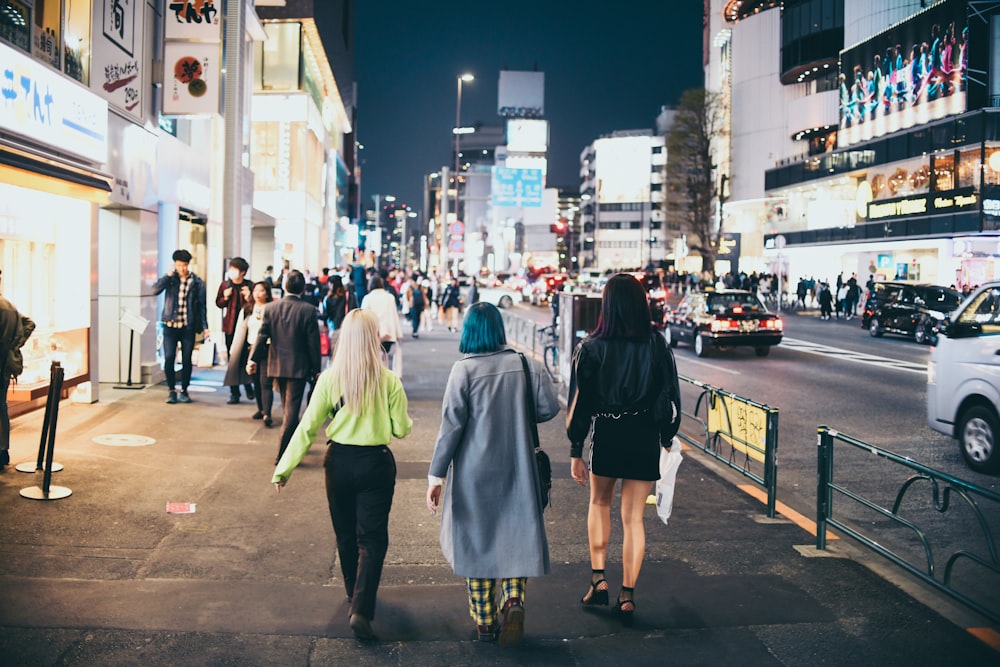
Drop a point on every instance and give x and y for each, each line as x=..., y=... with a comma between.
x=172, y=336
x=360, y=482
x=291, y=390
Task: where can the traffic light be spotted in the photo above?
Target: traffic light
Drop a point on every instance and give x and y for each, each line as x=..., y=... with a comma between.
x=558, y=227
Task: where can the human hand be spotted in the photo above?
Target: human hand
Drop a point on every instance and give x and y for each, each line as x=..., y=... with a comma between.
x=278, y=486
x=578, y=469
x=206, y=333
x=251, y=367
x=433, y=498
x=245, y=291
x=226, y=293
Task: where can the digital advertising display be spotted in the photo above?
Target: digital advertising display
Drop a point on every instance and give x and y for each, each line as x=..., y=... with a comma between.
x=910, y=74
x=624, y=169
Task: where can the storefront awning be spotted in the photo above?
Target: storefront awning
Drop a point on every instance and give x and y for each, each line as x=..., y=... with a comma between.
x=25, y=169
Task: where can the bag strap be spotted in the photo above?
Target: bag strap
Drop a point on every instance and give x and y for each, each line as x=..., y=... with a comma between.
x=530, y=398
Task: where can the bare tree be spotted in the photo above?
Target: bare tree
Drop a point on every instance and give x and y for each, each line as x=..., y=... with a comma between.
x=693, y=186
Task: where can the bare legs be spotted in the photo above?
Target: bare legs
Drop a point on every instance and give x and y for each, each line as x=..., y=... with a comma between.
x=634, y=493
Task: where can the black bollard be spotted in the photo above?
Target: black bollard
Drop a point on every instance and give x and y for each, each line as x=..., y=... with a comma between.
x=51, y=400
x=47, y=491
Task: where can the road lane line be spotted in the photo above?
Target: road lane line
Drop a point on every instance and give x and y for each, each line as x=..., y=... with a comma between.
x=857, y=357
x=712, y=366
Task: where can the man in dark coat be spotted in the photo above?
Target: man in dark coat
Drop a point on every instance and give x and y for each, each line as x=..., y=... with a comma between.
x=14, y=331
x=294, y=357
x=184, y=315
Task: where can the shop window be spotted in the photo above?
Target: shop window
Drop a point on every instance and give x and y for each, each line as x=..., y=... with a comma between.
x=76, y=40
x=15, y=23
x=278, y=59
x=943, y=173
x=968, y=170
x=46, y=42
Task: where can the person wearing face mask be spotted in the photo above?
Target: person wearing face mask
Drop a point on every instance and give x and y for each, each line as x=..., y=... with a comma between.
x=183, y=316
x=234, y=298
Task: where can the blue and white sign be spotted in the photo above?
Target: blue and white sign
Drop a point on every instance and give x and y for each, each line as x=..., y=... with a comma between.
x=521, y=188
x=44, y=106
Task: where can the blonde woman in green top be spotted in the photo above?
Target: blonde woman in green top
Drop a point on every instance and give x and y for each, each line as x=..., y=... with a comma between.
x=366, y=406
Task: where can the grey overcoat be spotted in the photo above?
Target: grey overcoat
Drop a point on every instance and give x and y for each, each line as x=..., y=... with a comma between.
x=491, y=513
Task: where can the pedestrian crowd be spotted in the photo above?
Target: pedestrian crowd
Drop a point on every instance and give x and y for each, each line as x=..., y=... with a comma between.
x=333, y=343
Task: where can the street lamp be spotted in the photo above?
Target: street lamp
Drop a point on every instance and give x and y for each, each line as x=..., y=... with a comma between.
x=462, y=78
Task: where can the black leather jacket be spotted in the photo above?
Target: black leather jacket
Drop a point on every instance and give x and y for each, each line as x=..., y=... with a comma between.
x=615, y=375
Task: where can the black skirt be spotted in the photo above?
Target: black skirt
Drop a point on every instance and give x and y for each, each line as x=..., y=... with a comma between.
x=626, y=446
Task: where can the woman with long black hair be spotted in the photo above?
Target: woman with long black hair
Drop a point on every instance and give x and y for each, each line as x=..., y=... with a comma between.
x=624, y=383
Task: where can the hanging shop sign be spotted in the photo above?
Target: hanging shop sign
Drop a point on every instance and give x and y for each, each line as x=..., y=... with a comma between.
x=116, y=59
x=934, y=203
x=43, y=105
x=729, y=246
x=192, y=58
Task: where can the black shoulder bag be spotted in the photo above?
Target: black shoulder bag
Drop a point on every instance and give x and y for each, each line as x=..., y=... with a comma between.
x=541, y=458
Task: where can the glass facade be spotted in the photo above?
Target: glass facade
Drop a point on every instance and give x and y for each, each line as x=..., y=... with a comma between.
x=812, y=34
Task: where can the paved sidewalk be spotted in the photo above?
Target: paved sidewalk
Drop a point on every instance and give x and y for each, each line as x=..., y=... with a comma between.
x=106, y=577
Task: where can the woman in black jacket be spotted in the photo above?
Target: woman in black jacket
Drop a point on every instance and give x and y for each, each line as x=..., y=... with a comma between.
x=335, y=306
x=624, y=382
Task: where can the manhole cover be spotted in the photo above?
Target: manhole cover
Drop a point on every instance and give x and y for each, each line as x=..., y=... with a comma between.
x=124, y=440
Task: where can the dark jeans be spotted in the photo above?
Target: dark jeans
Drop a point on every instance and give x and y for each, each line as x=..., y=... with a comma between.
x=172, y=336
x=415, y=314
x=360, y=482
x=291, y=390
x=264, y=389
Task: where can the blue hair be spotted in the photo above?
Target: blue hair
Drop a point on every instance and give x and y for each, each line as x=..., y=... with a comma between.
x=482, y=330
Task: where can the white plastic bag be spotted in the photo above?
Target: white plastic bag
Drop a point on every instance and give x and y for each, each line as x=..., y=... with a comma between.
x=206, y=354
x=670, y=461
x=396, y=364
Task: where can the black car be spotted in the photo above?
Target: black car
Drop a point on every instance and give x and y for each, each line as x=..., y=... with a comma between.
x=909, y=310
x=723, y=318
x=656, y=294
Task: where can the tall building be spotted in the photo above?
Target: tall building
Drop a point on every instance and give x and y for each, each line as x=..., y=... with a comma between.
x=300, y=125
x=621, y=195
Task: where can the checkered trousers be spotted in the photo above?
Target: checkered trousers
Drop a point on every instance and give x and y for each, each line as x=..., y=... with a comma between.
x=483, y=603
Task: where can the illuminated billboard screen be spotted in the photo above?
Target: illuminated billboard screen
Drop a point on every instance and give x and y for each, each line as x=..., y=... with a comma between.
x=624, y=169
x=527, y=135
x=521, y=94
x=913, y=73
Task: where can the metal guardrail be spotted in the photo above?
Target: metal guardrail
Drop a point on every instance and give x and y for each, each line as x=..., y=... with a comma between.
x=943, y=490
x=522, y=333
x=747, y=429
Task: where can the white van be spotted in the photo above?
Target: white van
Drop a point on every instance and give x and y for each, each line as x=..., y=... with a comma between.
x=963, y=379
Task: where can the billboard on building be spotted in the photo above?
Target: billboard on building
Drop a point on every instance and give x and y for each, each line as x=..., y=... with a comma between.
x=526, y=135
x=521, y=94
x=912, y=73
x=623, y=170
x=191, y=83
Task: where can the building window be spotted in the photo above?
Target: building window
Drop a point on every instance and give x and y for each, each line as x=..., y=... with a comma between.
x=46, y=42
x=76, y=40
x=943, y=173
x=277, y=61
x=968, y=168
x=15, y=24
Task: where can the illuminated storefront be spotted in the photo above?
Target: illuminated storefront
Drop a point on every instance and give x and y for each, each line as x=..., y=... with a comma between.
x=50, y=186
x=913, y=190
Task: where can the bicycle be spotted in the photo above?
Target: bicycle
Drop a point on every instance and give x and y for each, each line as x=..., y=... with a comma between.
x=550, y=351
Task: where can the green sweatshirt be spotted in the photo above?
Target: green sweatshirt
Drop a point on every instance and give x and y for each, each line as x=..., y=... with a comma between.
x=385, y=419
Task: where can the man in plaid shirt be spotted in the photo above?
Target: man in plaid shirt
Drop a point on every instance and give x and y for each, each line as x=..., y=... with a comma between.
x=184, y=314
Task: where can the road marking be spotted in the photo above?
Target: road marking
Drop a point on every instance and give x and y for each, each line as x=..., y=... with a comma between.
x=714, y=367
x=848, y=355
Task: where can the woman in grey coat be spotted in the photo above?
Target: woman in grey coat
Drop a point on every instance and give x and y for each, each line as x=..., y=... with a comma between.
x=491, y=520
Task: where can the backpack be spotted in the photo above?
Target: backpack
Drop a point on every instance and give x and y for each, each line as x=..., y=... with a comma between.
x=417, y=297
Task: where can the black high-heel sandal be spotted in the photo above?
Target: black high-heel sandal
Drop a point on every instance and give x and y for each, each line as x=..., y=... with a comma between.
x=596, y=596
x=625, y=607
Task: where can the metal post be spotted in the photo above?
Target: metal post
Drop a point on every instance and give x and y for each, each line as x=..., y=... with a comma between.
x=47, y=491
x=771, y=461
x=50, y=401
x=824, y=462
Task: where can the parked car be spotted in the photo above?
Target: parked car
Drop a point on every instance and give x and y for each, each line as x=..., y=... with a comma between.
x=723, y=318
x=963, y=379
x=909, y=310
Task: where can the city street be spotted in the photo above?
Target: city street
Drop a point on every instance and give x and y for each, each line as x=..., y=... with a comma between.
x=107, y=577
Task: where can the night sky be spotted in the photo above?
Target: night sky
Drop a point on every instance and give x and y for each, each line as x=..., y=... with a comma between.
x=608, y=66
